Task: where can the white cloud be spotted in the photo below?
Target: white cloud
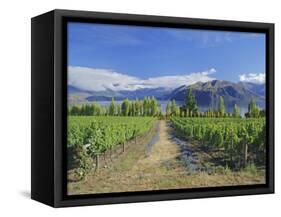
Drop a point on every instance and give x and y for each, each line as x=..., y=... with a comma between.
x=253, y=78
x=93, y=79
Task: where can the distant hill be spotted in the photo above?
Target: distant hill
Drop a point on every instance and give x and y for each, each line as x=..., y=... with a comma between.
x=207, y=94
x=256, y=88
x=76, y=95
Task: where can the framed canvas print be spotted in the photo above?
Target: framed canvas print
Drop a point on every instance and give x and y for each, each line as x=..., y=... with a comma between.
x=131, y=108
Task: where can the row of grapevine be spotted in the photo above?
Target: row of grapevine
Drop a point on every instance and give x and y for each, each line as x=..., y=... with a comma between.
x=240, y=139
x=91, y=136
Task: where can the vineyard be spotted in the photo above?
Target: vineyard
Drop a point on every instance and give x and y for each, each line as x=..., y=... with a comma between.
x=90, y=136
x=241, y=140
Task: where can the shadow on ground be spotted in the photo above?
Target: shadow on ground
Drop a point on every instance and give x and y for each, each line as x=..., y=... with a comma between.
x=25, y=194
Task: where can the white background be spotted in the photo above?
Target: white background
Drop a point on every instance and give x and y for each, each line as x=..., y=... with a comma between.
x=15, y=106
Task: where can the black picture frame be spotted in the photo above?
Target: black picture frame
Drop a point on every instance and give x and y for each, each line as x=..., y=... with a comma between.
x=49, y=107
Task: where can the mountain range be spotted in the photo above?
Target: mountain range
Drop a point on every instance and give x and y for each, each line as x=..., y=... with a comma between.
x=206, y=93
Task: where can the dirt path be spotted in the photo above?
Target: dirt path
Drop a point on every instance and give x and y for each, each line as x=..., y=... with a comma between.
x=163, y=153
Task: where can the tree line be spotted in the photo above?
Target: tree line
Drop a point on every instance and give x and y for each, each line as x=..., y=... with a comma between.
x=148, y=106
x=190, y=109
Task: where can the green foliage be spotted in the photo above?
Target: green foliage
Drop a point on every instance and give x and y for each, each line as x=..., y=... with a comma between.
x=112, y=107
x=75, y=140
x=160, y=112
x=150, y=107
x=251, y=168
x=229, y=134
x=86, y=110
x=75, y=110
x=174, y=108
x=84, y=162
x=190, y=103
x=253, y=110
x=125, y=107
x=154, y=108
x=146, y=107
x=222, y=170
x=236, y=111
x=221, y=107
x=91, y=136
x=169, y=108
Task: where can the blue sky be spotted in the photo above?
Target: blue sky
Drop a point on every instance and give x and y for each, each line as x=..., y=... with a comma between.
x=140, y=54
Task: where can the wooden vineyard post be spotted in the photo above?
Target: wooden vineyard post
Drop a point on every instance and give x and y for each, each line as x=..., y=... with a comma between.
x=123, y=147
x=97, y=162
x=245, y=154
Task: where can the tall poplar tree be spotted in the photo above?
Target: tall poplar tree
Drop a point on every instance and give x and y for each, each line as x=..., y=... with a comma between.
x=168, y=108
x=253, y=110
x=190, y=103
x=221, y=107
x=236, y=111
x=125, y=107
x=145, y=105
x=154, y=108
x=174, y=107
x=112, y=107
